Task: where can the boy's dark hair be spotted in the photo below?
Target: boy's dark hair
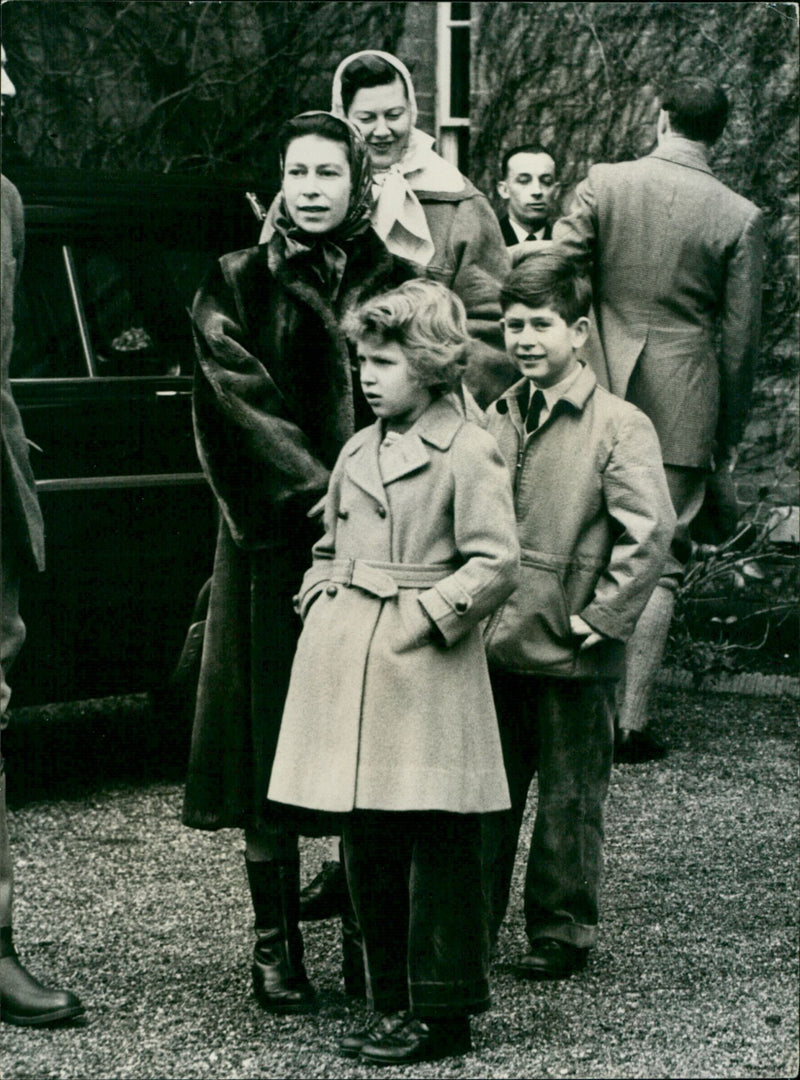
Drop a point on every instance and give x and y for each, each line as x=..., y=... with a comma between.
x=525, y=148
x=697, y=107
x=366, y=71
x=549, y=279
x=313, y=123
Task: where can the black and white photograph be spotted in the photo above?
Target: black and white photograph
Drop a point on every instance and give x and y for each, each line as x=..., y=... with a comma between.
x=400, y=652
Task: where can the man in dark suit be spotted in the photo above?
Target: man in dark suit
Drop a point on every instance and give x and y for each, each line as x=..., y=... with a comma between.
x=23, y=999
x=676, y=261
x=530, y=190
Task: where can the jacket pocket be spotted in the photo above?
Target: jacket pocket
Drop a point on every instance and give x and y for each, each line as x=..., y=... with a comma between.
x=531, y=631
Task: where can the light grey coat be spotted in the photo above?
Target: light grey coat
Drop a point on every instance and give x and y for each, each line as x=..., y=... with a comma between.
x=676, y=258
x=380, y=715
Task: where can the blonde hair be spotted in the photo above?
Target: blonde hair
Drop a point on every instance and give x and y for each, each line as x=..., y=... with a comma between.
x=429, y=324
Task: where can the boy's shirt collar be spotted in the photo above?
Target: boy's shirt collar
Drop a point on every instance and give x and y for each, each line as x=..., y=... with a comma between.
x=553, y=393
x=576, y=394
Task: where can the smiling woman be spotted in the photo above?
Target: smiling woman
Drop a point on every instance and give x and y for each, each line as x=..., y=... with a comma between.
x=425, y=210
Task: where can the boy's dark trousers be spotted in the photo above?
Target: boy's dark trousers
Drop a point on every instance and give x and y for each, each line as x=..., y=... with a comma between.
x=562, y=729
x=415, y=882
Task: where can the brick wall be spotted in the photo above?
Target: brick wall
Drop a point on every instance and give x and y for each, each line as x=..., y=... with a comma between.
x=417, y=49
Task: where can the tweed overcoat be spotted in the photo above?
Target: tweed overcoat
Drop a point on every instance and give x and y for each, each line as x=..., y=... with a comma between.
x=273, y=405
x=595, y=523
x=676, y=258
x=22, y=517
x=379, y=713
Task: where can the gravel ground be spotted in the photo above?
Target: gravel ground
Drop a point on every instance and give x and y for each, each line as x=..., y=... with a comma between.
x=696, y=973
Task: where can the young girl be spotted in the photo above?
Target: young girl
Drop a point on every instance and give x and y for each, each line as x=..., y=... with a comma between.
x=389, y=715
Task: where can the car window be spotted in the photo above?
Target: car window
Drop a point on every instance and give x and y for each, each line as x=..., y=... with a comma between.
x=136, y=302
x=47, y=343
x=93, y=309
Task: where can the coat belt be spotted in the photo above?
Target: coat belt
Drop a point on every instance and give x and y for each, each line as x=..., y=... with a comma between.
x=377, y=578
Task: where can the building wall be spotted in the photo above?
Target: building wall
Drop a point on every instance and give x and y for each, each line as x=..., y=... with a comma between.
x=417, y=49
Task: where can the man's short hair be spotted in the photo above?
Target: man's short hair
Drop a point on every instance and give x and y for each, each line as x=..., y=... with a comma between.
x=549, y=279
x=524, y=148
x=428, y=322
x=697, y=107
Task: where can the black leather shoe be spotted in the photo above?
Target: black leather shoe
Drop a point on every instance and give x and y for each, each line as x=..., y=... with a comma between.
x=24, y=1001
x=551, y=959
x=326, y=895
x=633, y=747
x=379, y=1024
x=418, y=1040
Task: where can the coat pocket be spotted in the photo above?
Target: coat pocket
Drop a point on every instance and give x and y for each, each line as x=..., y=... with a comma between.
x=531, y=631
x=413, y=629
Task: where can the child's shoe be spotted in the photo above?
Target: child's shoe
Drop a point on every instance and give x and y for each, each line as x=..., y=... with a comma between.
x=379, y=1024
x=418, y=1040
x=551, y=959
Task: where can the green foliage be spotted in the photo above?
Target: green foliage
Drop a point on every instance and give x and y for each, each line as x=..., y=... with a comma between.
x=168, y=85
x=585, y=78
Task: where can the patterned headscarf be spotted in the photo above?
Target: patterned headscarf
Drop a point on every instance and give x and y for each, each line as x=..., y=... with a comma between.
x=331, y=246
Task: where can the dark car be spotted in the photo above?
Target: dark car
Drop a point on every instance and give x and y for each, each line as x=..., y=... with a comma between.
x=102, y=373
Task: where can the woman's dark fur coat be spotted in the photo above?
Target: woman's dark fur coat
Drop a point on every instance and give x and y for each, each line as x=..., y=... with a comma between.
x=273, y=405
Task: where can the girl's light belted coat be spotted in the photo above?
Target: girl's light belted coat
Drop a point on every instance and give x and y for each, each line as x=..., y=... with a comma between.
x=390, y=705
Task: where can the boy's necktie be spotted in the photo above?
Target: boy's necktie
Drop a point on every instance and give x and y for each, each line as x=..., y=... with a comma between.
x=534, y=411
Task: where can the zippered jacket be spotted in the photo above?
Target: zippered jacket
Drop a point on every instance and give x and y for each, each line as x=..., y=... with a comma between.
x=595, y=523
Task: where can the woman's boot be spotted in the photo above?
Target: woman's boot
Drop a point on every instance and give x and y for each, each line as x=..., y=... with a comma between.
x=280, y=982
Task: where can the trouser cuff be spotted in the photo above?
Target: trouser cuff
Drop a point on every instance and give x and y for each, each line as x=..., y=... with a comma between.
x=580, y=935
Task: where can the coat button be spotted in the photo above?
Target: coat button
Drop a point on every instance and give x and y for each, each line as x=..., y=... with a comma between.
x=344, y=514
x=331, y=590
x=380, y=511
x=461, y=606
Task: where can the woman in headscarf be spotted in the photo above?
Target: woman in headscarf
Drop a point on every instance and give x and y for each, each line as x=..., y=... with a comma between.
x=274, y=402
x=425, y=210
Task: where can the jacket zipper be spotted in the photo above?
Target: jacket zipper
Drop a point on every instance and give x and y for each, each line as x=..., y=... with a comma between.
x=518, y=469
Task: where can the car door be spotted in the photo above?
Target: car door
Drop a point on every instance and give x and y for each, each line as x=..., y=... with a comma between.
x=102, y=373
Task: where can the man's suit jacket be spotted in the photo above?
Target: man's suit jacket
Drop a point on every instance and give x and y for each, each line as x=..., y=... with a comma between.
x=22, y=518
x=676, y=259
x=510, y=236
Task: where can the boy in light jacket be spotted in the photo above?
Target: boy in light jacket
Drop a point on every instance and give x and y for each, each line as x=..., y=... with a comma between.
x=595, y=522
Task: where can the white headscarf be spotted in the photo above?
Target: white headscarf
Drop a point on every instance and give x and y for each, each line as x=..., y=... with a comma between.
x=398, y=216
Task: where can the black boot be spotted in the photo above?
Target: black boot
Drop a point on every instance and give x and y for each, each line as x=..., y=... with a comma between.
x=280, y=982
x=24, y=1001
x=355, y=982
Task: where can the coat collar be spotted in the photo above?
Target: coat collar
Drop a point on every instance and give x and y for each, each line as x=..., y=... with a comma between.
x=575, y=397
x=681, y=151
x=436, y=427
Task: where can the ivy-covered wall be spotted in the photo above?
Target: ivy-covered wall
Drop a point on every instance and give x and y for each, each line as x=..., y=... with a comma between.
x=173, y=86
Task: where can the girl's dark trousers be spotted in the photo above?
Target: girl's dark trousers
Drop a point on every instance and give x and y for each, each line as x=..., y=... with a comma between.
x=415, y=882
